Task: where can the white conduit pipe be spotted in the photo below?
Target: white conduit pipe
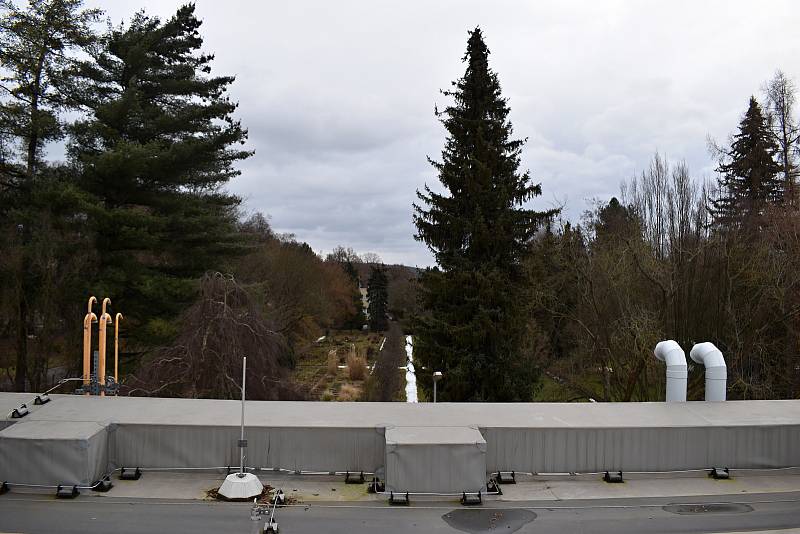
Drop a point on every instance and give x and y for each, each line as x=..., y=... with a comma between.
x=716, y=370
x=672, y=354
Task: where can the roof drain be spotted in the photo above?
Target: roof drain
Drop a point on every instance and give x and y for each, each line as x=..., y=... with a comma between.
x=716, y=370
x=672, y=354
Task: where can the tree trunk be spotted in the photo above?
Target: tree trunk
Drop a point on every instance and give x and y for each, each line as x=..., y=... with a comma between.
x=21, y=374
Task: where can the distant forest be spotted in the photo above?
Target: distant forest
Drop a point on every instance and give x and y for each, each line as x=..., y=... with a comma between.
x=521, y=305
x=524, y=305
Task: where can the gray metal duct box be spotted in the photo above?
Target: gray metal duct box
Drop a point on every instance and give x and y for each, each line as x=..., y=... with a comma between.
x=53, y=452
x=448, y=459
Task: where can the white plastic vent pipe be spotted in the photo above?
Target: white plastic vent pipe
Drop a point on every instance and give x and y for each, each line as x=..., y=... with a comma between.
x=716, y=370
x=672, y=354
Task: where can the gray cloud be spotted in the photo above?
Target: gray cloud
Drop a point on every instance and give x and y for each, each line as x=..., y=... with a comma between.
x=339, y=96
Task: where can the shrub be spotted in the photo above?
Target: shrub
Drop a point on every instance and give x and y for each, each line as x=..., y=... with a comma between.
x=349, y=392
x=356, y=367
x=333, y=363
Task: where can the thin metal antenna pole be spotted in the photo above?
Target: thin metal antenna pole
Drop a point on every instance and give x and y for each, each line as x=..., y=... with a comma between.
x=241, y=449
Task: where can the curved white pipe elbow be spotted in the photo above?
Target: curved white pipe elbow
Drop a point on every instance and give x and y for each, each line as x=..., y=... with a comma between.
x=716, y=370
x=672, y=354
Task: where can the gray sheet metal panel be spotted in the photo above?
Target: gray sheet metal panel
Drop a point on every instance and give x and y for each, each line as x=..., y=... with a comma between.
x=435, y=459
x=97, y=456
x=559, y=450
x=174, y=446
x=435, y=468
x=320, y=449
x=312, y=449
x=28, y=457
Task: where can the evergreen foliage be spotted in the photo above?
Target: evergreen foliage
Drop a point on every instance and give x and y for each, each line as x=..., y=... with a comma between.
x=36, y=45
x=35, y=56
x=477, y=328
x=159, y=143
x=749, y=177
x=378, y=296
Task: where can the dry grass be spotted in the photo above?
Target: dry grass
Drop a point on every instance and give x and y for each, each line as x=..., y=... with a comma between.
x=349, y=392
x=332, y=363
x=322, y=375
x=356, y=367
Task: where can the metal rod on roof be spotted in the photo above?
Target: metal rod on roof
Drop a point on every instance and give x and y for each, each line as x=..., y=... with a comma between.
x=241, y=439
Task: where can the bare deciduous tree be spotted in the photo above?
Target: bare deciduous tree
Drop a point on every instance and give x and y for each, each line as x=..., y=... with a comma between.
x=781, y=95
x=223, y=326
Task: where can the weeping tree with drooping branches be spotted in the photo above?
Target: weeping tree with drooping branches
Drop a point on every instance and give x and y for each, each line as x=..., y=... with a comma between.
x=205, y=361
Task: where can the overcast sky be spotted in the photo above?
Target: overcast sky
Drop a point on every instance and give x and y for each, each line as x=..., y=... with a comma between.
x=339, y=96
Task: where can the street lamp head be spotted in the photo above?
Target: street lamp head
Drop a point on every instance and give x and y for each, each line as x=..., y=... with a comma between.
x=437, y=375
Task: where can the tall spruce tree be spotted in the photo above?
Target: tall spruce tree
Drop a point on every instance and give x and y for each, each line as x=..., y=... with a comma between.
x=37, y=45
x=159, y=143
x=749, y=175
x=476, y=328
x=378, y=296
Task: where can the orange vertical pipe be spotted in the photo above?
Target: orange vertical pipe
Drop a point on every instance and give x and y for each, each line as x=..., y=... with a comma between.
x=87, y=350
x=87, y=344
x=105, y=319
x=116, y=346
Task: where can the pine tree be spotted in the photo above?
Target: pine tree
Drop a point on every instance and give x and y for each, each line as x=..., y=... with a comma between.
x=749, y=176
x=476, y=328
x=37, y=46
x=158, y=145
x=357, y=320
x=378, y=296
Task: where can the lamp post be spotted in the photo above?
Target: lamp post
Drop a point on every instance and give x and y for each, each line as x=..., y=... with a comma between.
x=437, y=375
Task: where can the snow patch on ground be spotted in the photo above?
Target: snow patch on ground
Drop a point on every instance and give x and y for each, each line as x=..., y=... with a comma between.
x=411, y=378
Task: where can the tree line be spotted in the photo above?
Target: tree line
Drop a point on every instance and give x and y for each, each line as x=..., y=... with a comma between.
x=521, y=304
x=138, y=211
x=524, y=305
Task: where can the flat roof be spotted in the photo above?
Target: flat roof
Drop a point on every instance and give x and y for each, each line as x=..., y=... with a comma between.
x=59, y=430
x=209, y=412
x=433, y=435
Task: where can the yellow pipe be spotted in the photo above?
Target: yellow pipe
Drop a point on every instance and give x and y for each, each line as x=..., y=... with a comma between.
x=106, y=301
x=87, y=343
x=116, y=346
x=101, y=361
x=87, y=350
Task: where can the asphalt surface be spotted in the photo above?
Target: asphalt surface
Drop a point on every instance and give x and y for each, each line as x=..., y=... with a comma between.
x=87, y=514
